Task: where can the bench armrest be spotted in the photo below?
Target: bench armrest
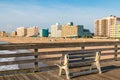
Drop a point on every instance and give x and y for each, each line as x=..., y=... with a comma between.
x=61, y=59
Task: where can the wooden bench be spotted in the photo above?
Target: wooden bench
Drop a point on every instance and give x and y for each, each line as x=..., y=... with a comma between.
x=79, y=58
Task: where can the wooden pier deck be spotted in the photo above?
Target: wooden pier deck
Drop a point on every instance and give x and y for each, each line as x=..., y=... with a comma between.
x=111, y=71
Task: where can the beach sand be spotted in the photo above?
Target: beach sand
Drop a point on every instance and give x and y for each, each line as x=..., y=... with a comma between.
x=48, y=40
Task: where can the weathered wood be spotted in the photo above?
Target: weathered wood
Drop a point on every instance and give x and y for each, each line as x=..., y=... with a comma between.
x=48, y=53
x=27, y=70
x=116, y=53
x=55, y=45
x=108, y=67
x=81, y=56
x=82, y=73
x=16, y=55
x=18, y=62
x=38, y=55
x=36, y=62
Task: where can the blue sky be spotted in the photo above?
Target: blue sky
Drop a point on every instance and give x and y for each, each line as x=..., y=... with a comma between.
x=43, y=13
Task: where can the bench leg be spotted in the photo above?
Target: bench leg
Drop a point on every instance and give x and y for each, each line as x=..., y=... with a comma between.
x=98, y=67
x=92, y=66
x=67, y=73
x=60, y=71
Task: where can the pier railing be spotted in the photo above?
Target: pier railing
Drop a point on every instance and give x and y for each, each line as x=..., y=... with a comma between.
x=50, y=53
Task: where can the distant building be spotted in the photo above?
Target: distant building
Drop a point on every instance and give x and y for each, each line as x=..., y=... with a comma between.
x=101, y=27
x=14, y=33
x=107, y=27
x=21, y=32
x=115, y=31
x=3, y=34
x=71, y=30
x=44, y=32
x=32, y=31
x=87, y=33
x=56, y=30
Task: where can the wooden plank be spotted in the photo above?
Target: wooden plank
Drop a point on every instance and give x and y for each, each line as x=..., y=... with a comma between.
x=98, y=77
x=52, y=76
x=43, y=53
x=17, y=55
x=56, y=77
x=8, y=72
x=112, y=69
x=38, y=77
x=55, y=45
x=32, y=77
x=7, y=78
x=25, y=77
x=46, y=68
x=83, y=73
x=44, y=76
x=19, y=77
x=81, y=56
x=1, y=78
x=81, y=61
x=13, y=77
x=41, y=76
x=18, y=62
x=74, y=51
x=109, y=77
x=108, y=53
x=82, y=52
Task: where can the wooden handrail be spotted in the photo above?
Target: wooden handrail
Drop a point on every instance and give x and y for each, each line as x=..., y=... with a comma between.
x=48, y=55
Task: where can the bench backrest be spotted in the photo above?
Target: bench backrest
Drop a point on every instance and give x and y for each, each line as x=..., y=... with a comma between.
x=81, y=57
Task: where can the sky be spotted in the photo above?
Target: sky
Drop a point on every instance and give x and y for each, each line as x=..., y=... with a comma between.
x=44, y=13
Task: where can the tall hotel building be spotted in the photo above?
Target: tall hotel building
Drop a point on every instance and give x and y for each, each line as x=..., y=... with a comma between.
x=108, y=27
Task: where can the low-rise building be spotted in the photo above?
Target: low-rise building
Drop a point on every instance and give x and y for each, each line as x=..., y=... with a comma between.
x=56, y=30
x=21, y=31
x=32, y=31
x=87, y=33
x=14, y=34
x=3, y=34
x=44, y=32
x=71, y=30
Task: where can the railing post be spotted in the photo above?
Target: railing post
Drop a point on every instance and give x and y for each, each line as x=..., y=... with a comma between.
x=36, y=61
x=116, y=52
x=83, y=48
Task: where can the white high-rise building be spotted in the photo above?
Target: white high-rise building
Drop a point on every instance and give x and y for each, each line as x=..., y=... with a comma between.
x=107, y=27
x=56, y=30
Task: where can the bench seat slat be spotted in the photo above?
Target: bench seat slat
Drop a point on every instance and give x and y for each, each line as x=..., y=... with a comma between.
x=78, y=53
x=82, y=61
x=81, y=56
